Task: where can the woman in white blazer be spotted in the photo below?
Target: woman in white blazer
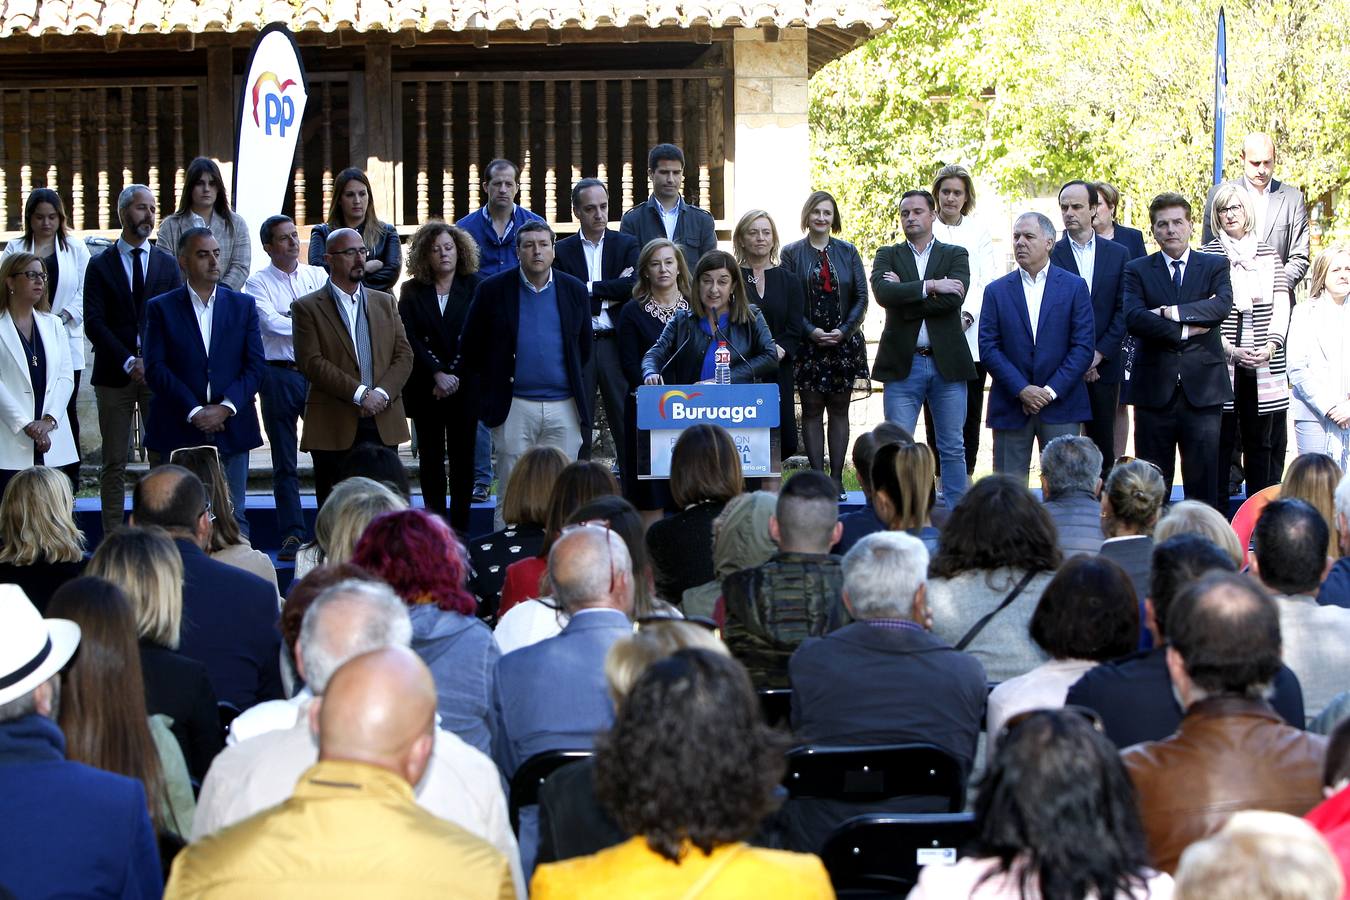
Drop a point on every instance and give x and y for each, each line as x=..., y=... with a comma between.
x=65, y=258
x=1319, y=359
x=36, y=377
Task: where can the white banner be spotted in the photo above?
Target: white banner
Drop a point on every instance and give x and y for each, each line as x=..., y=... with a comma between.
x=270, y=114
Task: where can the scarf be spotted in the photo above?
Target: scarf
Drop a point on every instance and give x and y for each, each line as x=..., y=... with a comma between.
x=1253, y=276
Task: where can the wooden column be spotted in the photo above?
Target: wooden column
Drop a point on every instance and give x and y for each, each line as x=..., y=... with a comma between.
x=677, y=112
x=104, y=180
x=550, y=151
x=76, y=160
x=327, y=149
x=525, y=162
x=653, y=115
x=25, y=146
x=498, y=120
x=152, y=180
x=474, y=180
x=52, y=173
x=380, y=106
x=448, y=151
x=180, y=164
x=128, y=160
x=626, y=142
x=4, y=174
x=298, y=192
x=576, y=131
x=602, y=132
x=423, y=177
x=217, y=99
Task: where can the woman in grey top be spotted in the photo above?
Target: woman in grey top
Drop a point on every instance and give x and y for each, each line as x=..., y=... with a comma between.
x=206, y=203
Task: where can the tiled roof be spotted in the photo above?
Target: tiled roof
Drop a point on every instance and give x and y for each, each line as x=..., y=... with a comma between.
x=41, y=18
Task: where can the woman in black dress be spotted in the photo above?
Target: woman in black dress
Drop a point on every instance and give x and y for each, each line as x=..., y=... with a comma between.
x=778, y=294
x=832, y=361
x=662, y=290
x=443, y=263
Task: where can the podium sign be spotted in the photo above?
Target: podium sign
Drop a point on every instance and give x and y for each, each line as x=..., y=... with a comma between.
x=749, y=412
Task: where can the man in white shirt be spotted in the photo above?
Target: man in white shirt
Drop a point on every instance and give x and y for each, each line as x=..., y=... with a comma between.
x=283, y=389
x=347, y=620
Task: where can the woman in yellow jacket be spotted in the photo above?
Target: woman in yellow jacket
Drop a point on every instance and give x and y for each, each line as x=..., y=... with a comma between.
x=689, y=768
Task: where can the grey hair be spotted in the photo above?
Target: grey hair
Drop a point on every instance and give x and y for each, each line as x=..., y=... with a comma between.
x=130, y=191
x=1047, y=227
x=1070, y=462
x=19, y=707
x=383, y=623
x=578, y=586
x=883, y=572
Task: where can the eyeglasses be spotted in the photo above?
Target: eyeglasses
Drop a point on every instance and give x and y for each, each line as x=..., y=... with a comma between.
x=206, y=511
x=38, y=277
x=1230, y=210
x=350, y=252
x=649, y=622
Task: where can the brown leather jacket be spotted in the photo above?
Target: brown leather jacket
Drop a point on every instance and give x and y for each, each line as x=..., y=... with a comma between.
x=1229, y=754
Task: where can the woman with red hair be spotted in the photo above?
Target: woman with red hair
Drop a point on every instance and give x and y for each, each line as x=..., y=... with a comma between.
x=417, y=554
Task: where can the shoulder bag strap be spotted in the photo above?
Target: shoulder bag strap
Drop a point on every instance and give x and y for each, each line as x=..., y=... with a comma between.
x=710, y=874
x=975, y=629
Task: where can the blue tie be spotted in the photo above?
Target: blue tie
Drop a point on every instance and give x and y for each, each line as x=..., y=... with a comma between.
x=1176, y=275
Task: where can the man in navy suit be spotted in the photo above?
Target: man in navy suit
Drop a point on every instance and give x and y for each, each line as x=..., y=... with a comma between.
x=117, y=285
x=1036, y=340
x=204, y=361
x=1101, y=263
x=665, y=214
x=1175, y=301
x=607, y=262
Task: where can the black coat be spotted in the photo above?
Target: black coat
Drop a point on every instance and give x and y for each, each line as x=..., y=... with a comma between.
x=618, y=252
x=434, y=336
x=111, y=318
x=179, y=688
x=847, y=272
x=695, y=230
x=1108, y=300
x=677, y=356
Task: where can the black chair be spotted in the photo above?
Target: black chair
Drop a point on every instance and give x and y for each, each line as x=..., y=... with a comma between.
x=880, y=855
x=776, y=704
x=872, y=774
x=228, y=712
x=531, y=775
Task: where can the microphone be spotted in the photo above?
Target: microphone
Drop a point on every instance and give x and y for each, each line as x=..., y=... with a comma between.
x=717, y=335
x=683, y=344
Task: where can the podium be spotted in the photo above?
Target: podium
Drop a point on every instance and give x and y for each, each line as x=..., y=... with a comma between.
x=749, y=412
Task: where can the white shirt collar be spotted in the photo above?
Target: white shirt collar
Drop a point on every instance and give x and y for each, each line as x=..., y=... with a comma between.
x=925, y=251
x=197, y=299
x=594, y=244
x=124, y=247
x=284, y=276
x=346, y=297
x=1184, y=259
x=1039, y=278
x=1254, y=189
x=1087, y=245
x=525, y=281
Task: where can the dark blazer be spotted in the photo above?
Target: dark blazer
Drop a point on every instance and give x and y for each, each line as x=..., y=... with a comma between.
x=847, y=272
x=1108, y=300
x=41, y=579
x=619, y=251
x=907, y=307
x=487, y=347
x=572, y=821
x=433, y=336
x=1132, y=239
x=180, y=688
x=1135, y=556
x=678, y=354
x=111, y=319
x=230, y=627
x=1286, y=227
x=783, y=306
x=1058, y=357
x=695, y=230
x=1134, y=697
x=179, y=370
x=387, y=250
x=1162, y=357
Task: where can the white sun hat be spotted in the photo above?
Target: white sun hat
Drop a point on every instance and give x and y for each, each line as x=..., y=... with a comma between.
x=32, y=649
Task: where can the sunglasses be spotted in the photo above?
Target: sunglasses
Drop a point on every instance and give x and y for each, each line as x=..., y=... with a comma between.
x=649, y=622
x=1123, y=460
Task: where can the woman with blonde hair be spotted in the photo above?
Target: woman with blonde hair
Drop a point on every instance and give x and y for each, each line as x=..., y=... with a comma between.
x=1194, y=517
x=354, y=504
x=1313, y=477
x=1132, y=501
x=1319, y=359
x=903, y=492
x=353, y=207
x=41, y=547
x=146, y=565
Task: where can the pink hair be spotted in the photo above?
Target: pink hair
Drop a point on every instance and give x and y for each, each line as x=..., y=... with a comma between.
x=420, y=558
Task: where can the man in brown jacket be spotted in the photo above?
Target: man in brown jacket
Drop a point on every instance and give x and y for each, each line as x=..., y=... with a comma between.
x=1232, y=751
x=349, y=343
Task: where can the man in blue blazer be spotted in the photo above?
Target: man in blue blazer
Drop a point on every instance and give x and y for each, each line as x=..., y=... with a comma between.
x=1175, y=301
x=1036, y=339
x=606, y=261
x=204, y=361
x=665, y=214
x=553, y=695
x=1101, y=263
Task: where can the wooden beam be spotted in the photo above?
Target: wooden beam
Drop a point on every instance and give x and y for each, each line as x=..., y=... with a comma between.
x=217, y=101
x=187, y=41
x=407, y=39
x=480, y=38
x=771, y=34
x=555, y=37
x=380, y=104
x=112, y=40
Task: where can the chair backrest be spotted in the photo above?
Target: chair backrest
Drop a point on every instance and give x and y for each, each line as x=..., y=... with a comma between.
x=776, y=704
x=884, y=853
x=228, y=712
x=1244, y=522
x=531, y=775
x=872, y=774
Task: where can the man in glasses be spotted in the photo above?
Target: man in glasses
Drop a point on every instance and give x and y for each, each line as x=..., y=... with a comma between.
x=350, y=345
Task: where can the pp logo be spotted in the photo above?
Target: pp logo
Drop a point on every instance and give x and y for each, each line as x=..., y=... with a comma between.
x=278, y=109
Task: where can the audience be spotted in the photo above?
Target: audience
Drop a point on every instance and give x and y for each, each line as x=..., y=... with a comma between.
x=705, y=473
x=144, y=563
x=1231, y=751
x=102, y=708
x=525, y=509
x=1085, y=842
x=862, y=522
x=417, y=554
x=741, y=540
x=1071, y=487
x=1134, y=695
x=1088, y=614
x=68, y=829
x=689, y=769
x=380, y=464
x=997, y=553
x=347, y=620
x=1289, y=559
x=41, y=547
x=1335, y=589
x=1202, y=520
x=353, y=504
x=1260, y=856
x=351, y=826
x=1331, y=817
x=1132, y=500
x=229, y=616
x=1313, y=477
x=903, y=490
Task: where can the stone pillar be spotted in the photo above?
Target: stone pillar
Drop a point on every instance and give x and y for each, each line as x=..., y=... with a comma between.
x=772, y=147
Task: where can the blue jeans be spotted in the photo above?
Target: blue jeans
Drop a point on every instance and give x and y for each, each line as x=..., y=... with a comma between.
x=902, y=401
x=283, y=403
x=235, y=466
x=482, y=458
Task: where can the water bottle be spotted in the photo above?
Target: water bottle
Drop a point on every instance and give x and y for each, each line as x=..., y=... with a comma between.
x=722, y=363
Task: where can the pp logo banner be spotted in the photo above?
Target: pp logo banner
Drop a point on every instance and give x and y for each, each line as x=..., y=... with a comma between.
x=278, y=109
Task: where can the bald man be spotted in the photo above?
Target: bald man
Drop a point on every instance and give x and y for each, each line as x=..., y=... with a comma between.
x=350, y=344
x=352, y=828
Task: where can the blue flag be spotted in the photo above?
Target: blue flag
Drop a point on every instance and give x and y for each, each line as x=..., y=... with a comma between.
x=1220, y=95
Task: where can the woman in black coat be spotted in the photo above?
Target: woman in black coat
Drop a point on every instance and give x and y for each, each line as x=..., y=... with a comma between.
x=443, y=263
x=354, y=207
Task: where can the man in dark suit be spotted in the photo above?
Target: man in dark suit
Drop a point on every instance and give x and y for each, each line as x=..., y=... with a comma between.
x=350, y=344
x=229, y=615
x=607, y=262
x=525, y=342
x=1175, y=301
x=665, y=214
x=1036, y=340
x=843, y=684
x=1101, y=263
x=117, y=285
x=204, y=362
x=923, y=354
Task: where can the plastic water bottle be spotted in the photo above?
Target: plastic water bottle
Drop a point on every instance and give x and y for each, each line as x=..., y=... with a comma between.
x=722, y=363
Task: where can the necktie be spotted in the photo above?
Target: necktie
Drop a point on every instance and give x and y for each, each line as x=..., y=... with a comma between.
x=137, y=278
x=363, y=345
x=1176, y=275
